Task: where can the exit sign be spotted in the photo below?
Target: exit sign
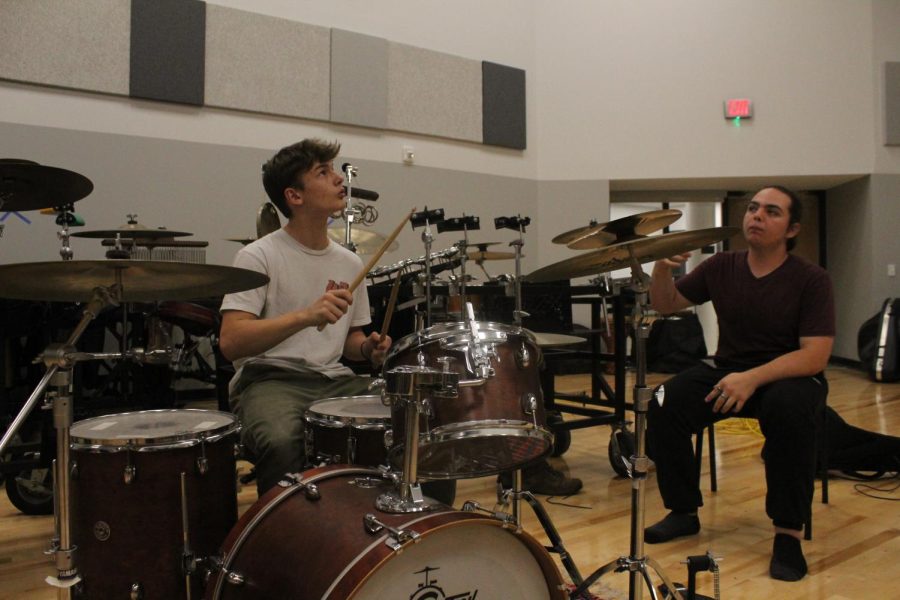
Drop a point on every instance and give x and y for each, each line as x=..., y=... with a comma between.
x=738, y=108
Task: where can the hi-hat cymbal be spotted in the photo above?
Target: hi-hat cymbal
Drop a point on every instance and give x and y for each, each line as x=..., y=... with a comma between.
x=244, y=241
x=618, y=256
x=619, y=230
x=482, y=245
x=132, y=230
x=142, y=280
x=367, y=242
x=483, y=255
x=26, y=185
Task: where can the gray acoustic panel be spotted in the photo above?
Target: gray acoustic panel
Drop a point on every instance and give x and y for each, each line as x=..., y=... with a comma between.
x=167, y=50
x=503, y=105
x=266, y=64
x=81, y=45
x=433, y=93
x=892, y=104
x=359, y=79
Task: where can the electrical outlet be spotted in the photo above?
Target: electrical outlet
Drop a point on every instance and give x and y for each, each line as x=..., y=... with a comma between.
x=409, y=155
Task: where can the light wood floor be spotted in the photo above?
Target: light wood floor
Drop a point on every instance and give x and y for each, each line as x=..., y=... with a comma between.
x=854, y=552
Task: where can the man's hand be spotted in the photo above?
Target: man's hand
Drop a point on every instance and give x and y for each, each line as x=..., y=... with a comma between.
x=329, y=308
x=379, y=346
x=732, y=391
x=673, y=262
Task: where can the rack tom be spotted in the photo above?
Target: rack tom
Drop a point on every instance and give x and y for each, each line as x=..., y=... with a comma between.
x=348, y=429
x=497, y=422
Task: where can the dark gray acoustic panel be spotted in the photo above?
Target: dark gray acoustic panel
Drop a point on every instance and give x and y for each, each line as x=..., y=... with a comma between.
x=168, y=41
x=359, y=79
x=892, y=104
x=503, y=105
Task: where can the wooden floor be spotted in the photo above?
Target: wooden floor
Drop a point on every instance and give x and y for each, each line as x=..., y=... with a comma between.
x=854, y=552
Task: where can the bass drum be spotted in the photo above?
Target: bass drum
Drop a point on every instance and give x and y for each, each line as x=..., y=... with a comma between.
x=320, y=538
x=494, y=426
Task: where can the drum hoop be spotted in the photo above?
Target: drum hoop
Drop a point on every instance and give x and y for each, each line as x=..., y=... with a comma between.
x=470, y=429
x=152, y=444
x=456, y=329
x=286, y=493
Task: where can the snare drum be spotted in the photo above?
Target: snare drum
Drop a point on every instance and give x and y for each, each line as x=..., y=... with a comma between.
x=128, y=501
x=497, y=423
x=323, y=538
x=347, y=429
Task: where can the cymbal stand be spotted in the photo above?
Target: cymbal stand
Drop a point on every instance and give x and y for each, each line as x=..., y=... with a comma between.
x=60, y=359
x=65, y=218
x=414, y=386
x=426, y=218
x=636, y=563
x=350, y=212
x=517, y=223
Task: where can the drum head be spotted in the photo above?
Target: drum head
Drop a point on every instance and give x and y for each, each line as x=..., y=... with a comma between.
x=358, y=411
x=151, y=429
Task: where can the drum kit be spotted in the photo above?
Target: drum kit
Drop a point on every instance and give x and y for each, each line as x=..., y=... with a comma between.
x=153, y=491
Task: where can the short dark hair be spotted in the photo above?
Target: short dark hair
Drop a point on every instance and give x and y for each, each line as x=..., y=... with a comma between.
x=285, y=169
x=795, y=209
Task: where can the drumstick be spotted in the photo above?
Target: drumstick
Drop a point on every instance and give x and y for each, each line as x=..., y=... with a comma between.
x=377, y=256
x=392, y=302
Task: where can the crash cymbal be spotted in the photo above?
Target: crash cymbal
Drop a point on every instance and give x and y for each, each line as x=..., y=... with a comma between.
x=132, y=230
x=547, y=340
x=481, y=255
x=367, y=242
x=482, y=246
x=619, y=230
x=142, y=281
x=26, y=185
x=618, y=256
x=244, y=241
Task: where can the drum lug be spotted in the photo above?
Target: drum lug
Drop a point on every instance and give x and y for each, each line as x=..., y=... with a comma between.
x=137, y=592
x=530, y=406
x=310, y=490
x=398, y=536
x=233, y=578
x=523, y=357
x=73, y=470
x=130, y=473
x=202, y=461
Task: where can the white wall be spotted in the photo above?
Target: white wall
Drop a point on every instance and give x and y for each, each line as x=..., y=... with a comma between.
x=635, y=89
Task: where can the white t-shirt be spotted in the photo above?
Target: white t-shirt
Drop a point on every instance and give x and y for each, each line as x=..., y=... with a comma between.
x=298, y=276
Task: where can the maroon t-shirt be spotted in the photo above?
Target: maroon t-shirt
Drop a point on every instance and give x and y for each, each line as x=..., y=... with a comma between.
x=762, y=318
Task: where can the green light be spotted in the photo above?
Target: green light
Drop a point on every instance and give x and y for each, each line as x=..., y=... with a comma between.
x=737, y=121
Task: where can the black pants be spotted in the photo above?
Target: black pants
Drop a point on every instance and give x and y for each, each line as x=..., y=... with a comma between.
x=786, y=411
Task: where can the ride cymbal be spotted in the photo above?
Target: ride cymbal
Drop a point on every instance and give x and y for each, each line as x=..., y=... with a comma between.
x=142, y=281
x=619, y=256
x=619, y=230
x=27, y=185
x=483, y=255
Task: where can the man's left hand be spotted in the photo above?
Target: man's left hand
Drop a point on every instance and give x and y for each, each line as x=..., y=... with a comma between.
x=731, y=392
x=379, y=345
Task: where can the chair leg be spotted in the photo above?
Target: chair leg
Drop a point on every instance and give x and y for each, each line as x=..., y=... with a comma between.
x=698, y=453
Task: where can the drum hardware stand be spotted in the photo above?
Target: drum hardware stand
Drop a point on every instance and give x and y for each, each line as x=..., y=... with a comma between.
x=350, y=212
x=426, y=218
x=464, y=224
x=636, y=563
x=65, y=218
x=517, y=223
x=414, y=386
x=705, y=562
x=60, y=359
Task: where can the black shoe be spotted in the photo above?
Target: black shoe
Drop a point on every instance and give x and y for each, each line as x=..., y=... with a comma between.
x=544, y=479
x=787, y=563
x=674, y=525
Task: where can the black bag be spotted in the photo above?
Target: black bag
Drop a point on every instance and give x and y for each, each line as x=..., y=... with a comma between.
x=675, y=344
x=857, y=452
x=878, y=343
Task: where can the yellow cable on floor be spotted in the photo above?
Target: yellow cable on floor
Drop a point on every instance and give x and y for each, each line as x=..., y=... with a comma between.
x=739, y=426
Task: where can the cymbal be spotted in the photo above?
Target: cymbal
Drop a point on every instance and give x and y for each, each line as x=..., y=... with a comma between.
x=482, y=245
x=132, y=230
x=618, y=256
x=142, y=281
x=482, y=255
x=547, y=340
x=26, y=185
x=267, y=220
x=244, y=241
x=619, y=230
x=367, y=241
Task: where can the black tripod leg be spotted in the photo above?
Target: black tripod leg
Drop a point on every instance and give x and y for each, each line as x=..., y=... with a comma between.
x=556, y=544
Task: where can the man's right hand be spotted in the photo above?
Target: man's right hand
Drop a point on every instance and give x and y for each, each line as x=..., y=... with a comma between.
x=329, y=308
x=673, y=262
